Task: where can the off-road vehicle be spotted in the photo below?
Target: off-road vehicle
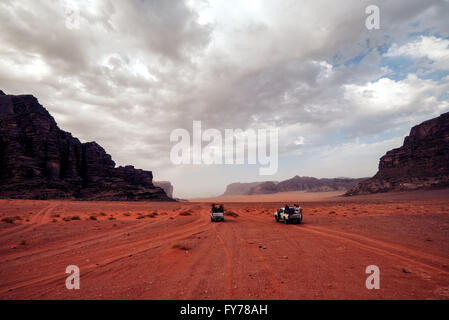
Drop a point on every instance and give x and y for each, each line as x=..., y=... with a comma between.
x=217, y=213
x=289, y=214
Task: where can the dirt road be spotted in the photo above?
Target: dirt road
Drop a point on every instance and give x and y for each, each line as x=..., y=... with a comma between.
x=173, y=251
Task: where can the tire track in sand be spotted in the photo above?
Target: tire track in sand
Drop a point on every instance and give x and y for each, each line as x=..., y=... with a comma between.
x=274, y=282
x=87, y=268
x=35, y=221
x=380, y=247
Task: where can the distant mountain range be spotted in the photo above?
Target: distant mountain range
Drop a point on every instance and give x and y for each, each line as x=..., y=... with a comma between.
x=296, y=183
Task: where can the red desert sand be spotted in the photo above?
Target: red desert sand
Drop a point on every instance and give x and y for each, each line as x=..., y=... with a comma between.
x=159, y=250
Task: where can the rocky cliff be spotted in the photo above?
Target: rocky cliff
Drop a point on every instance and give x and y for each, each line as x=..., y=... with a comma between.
x=166, y=186
x=421, y=163
x=239, y=188
x=40, y=161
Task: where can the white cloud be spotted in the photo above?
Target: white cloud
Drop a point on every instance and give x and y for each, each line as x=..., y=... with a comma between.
x=386, y=95
x=432, y=48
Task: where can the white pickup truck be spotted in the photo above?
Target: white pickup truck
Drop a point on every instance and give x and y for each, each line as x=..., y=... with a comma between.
x=289, y=214
x=217, y=213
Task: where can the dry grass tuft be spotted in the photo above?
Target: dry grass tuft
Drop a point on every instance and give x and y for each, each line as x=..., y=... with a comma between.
x=8, y=220
x=180, y=246
x=231, y=214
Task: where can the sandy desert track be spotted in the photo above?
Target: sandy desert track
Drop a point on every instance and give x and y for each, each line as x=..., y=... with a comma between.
x=173, y=251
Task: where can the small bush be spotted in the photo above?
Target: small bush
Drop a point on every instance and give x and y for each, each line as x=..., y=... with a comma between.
x=8, y=220
x=75, y=218
x=23, y=242
x=140, y=217
x=111, y=218
x=93, y=218
x=180, y=246
x=231, y=214
x=185, y=213
x=66, y=219
x=103, y=214
x=127, y=214
x=152, y=215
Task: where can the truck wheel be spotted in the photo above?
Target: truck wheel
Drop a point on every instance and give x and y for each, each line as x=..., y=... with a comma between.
x=277, y=218
x=285, y=221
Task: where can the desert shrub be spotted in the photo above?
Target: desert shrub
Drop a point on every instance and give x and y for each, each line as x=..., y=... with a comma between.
x=152, y=215
x=140, y=217
x=127, y=214
x=231, y=214
x=185, y=213
x=8, y=220
x=180, y=246
x=93, y=218
x=75, y=218
x=23, y=242
x=102, y=214
x=111, y=218
x=66, y=219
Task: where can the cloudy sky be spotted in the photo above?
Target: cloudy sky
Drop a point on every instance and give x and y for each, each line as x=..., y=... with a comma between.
x=127, y=73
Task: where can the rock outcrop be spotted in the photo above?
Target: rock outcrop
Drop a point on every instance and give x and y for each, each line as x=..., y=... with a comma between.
x=166, y=186
x=40, y=161
x=239, y=188
x=296, y=183
x=421, y=163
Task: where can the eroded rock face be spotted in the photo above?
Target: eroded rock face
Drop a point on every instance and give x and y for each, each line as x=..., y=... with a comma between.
x=40, y=161
x=238, y=188
x=166, y=186
x=421, y=163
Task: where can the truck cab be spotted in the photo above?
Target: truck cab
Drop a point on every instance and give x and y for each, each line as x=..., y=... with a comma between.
x=289, y=214
x=217, y=213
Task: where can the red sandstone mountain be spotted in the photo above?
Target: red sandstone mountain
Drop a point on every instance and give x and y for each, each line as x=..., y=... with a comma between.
x=421, y=163
x=40, y=161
